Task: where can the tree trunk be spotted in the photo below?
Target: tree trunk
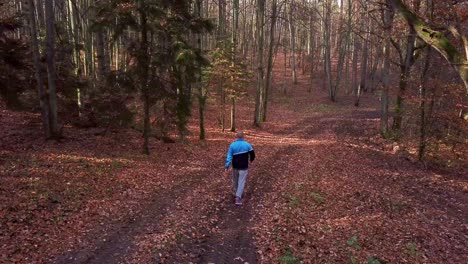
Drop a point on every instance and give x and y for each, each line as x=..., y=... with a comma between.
x=327, y=49
x=223, y=107
x=422, y=106
x=222, y=20
x=343, y=41
x=388, y=22
x=235, y=26
x=235, y=15
x=201, y=111
x=285, y=67
x=405, y=71
x=221, y=34
x=76, y=56
x=423, y=94
x=233, y=114
x=311, y=51
x=201, y=91
x=293, y=42
x=103, y=61
x=40, y=13
x=354, y=85
x=260, y=96
x=143, y=73
x=270, y=56
x=365, y=50
x=50, y=41
x=43, y=100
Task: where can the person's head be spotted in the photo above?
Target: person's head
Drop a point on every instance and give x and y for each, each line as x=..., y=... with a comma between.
x=240, y=135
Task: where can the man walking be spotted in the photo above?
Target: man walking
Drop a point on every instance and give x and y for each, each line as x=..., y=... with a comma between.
x=238, y=154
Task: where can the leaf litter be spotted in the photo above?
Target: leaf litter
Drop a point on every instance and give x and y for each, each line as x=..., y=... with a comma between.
x=329, y=191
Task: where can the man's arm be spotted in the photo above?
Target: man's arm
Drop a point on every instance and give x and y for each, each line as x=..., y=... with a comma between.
x=252, y=155
x=228, y=158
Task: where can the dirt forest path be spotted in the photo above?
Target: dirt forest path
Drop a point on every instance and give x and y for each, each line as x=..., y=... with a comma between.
x=232, y=242
x=227, y=234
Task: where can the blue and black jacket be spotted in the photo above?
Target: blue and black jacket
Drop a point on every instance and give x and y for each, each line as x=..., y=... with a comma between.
x=239, y=153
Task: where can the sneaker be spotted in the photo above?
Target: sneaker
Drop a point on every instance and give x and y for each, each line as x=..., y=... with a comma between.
x=238, y=201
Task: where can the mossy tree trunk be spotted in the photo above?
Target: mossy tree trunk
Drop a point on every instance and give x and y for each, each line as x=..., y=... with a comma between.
x=435, y=39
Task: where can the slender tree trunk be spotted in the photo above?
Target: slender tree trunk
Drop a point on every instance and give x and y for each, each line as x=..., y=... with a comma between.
x=143, y=72
x=373, y=74
x=270, y=56
x=76, y=56
x=40, y=13
x=405, y=72
x=354, y=85
x=201, y=111
x=103, y=62
x=221, y=37
x=223, y=106
x=43, y=100
x=292, y=31
x=89, y=51
x=235, y=26
x=50, y=41
x=260, y=96
x=285, y=67
x=235, y=16
x=327, y=49
x=365, y=50
x=233, y=114
x=201, y=96
x=423, y=93
x=312, y=51
x=343, y=41
x=422, y=106
x=349, y=48
x=222, y=20
x=388, y=21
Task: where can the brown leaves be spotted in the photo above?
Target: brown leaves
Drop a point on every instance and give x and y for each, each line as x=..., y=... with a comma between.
x=324, y=189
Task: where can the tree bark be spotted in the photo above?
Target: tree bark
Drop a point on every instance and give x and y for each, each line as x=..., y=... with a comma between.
x=344, y=42
x=312, y=51
x=423, y=93
x=221, y=34
x=102, y=55
x=233, y=114
x=270, y=56
x=292, y=31
x=40, y=13
x=260, y=95
x=43, y=100
x=422, y=106
x=51, y=75
x=387, y=18
x=327, y=48
x=404, y=74
x=235, y=16
x=354, y=81
x=365, y=53
x=201, y=96
x=143, y=73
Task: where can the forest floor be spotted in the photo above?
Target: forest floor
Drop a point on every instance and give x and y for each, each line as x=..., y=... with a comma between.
x=325, y=188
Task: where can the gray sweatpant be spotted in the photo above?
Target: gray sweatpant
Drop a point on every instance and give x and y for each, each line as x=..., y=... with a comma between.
x=238, y=181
